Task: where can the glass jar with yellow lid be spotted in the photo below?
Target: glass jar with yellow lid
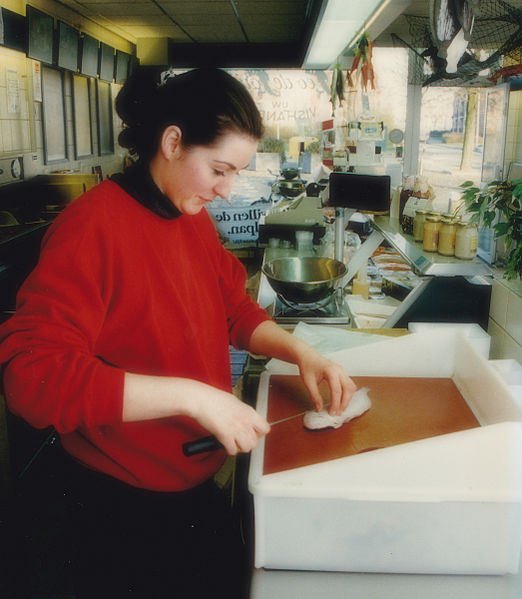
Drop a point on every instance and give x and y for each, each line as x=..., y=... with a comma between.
x=466, y=241
x=430, y=239
x=447, y=235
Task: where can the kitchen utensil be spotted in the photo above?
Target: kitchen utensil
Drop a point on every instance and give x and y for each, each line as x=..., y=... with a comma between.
x=210, y=443
x=304, y=280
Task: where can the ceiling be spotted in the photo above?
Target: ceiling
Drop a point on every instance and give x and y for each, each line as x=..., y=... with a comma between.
x=235, y=33
x=221, y=32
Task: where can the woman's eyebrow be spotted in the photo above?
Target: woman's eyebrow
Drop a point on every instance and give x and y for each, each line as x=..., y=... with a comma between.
x=230, y=165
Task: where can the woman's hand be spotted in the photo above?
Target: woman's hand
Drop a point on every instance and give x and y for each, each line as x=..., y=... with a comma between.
x=235, y=424
x=271, y=340
x=314, y=369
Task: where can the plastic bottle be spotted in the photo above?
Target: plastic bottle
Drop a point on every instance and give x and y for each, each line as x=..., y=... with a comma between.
x=361, y=283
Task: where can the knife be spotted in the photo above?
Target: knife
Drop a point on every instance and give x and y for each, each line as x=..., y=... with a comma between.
x=210, y=443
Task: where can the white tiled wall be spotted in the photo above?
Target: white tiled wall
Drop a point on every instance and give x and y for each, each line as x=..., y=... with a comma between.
x=505, y=321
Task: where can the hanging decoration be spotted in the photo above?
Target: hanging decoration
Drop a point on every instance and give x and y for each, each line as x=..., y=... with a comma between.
x=337, y=87
x=362, y=67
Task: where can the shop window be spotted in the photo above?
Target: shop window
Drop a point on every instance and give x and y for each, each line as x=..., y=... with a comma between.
x=462, y=132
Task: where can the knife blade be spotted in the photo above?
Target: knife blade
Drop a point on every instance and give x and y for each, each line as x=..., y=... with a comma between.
x=210, y=443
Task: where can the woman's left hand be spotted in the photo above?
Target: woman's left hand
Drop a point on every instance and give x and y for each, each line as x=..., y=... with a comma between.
x=269, y=339
x=314, y=369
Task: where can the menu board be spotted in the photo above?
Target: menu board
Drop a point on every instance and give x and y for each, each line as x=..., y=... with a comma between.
x=13, y=30
x=104, y=113
x=82, y=117
x=106, y=65
x=53, y=115
x=122, y=66
x=68, y=44
x=89, y=56
x=40, y=35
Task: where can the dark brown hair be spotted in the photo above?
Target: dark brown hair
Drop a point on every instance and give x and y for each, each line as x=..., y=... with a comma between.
x=203, y=103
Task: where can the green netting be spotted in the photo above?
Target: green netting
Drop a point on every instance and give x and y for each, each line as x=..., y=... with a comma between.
x=496, y=41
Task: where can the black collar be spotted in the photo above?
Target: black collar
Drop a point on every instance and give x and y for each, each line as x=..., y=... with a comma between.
x=138, y=183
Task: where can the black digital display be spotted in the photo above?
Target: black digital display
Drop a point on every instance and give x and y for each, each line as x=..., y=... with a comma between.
x=369, y=193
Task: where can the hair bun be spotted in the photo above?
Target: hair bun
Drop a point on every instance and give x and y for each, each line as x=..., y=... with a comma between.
x=136, y=100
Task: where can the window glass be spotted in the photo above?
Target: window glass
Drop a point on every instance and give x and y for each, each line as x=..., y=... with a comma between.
x=461, y=138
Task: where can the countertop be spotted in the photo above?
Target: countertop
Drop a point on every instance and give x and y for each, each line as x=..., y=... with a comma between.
x=267, y=584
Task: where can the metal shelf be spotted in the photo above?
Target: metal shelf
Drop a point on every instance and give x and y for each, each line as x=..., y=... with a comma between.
x=427, y=263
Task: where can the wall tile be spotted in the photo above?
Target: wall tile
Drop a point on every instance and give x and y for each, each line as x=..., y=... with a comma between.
x=498, y=305
x=3, y=103
x=7, y=137
x=511, y=349
x=16, y=133
x=497, y=340
x=514, y=317
x=26, y=136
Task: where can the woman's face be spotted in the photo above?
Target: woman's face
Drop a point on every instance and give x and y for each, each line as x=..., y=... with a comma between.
x=193, y=177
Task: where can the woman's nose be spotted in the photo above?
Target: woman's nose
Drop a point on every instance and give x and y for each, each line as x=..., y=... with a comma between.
x=224, y=187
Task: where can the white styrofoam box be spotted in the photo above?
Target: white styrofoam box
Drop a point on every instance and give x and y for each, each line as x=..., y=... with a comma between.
x=511, y=373
x=450, y=504
x=476, y=334
x=510, y=370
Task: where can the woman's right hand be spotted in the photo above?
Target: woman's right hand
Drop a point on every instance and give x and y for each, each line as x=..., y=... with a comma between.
x=236, y=425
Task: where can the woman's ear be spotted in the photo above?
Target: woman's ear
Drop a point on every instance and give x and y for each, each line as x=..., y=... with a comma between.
x=171, y=142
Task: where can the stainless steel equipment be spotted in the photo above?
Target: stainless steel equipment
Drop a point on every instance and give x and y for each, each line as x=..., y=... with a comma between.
x=332, y=311
x=304, y=280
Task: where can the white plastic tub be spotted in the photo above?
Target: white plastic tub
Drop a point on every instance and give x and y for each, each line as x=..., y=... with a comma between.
x=450, y=504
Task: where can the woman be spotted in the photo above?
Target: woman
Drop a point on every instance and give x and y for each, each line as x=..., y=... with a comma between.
x=121, y=336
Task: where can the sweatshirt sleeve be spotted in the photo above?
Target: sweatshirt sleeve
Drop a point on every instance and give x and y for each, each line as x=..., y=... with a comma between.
x=51, y=375
x=244, y=315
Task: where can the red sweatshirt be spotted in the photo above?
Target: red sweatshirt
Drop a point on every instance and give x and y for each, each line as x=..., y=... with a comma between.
x=119, y=288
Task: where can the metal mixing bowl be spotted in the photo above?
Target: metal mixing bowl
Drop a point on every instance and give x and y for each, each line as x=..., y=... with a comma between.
x=304, y=280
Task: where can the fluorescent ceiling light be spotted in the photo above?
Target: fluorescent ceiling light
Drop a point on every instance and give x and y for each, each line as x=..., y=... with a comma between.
x=339, y=24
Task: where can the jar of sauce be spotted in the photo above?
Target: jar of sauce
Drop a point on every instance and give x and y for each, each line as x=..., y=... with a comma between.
x=466, y=241
x=447, y=235
x=430, y=239
x=418, y=224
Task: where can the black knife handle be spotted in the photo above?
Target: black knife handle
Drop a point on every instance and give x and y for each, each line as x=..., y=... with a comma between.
x=202, y=445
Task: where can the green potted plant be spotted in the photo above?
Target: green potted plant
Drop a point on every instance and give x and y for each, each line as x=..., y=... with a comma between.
x=498, y=205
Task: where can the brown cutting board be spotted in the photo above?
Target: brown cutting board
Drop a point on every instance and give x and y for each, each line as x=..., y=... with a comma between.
x=403, y=410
